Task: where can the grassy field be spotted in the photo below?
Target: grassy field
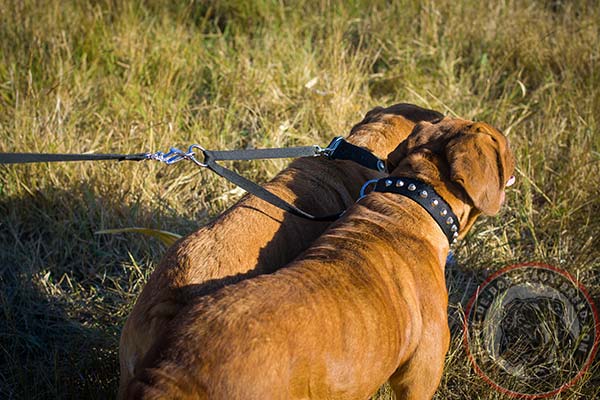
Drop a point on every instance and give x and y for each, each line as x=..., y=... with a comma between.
x=116, y=76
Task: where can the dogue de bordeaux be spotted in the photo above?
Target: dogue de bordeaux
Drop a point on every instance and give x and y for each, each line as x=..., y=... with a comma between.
x=365, y=303
x=254, y=237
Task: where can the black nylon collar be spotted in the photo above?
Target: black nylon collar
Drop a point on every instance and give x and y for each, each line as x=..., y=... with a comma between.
x=340, y=149
x=427, y=198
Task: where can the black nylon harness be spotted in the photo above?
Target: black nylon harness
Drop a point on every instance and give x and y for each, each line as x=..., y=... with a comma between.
x=338, y=149
x=425, y=196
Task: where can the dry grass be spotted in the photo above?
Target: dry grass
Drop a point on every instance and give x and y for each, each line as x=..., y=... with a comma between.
x=108, y=76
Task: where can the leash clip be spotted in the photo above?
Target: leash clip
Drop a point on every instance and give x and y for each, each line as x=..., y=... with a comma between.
x=320, y=151
x=331, y=147
x=175, y=155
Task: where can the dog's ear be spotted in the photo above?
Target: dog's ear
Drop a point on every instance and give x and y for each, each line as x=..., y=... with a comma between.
x=382, y=129
x=480, y=162
x=421, y=134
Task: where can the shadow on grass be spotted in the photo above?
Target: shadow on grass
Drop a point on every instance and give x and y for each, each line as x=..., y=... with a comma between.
x=46, y=354
x=65, y=292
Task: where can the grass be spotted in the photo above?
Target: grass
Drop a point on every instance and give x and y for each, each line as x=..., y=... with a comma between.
x=113, y=76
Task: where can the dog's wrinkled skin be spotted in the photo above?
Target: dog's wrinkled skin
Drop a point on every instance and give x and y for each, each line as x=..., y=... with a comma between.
x=254, y=237
x=364, y=304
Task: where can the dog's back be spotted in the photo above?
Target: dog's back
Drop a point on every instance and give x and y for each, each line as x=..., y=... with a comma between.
x=254, y=237
x=366, y=302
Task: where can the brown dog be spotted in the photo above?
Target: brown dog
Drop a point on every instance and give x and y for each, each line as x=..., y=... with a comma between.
x=366, y=303
x=254, y=237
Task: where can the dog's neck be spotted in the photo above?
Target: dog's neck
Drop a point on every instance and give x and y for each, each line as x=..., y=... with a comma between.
x=431, y=174
x=424, y=195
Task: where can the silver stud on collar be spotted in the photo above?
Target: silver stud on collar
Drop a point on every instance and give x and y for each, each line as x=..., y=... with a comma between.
x=426, y=192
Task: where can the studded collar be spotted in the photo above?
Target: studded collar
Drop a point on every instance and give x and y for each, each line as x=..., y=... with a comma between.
x=423, y=194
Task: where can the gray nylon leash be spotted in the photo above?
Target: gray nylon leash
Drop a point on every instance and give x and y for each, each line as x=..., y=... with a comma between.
x=250, y=154
x=338, y=149
x=26, y=158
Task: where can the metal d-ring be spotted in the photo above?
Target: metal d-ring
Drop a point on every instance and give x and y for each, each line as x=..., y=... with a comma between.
x=365, y=186
x=190, y=155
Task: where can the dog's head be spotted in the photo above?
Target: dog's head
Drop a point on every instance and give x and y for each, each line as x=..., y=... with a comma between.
x=382, y=129
x=473, y=156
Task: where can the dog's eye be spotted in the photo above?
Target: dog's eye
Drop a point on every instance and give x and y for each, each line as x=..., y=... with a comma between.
x=511, y=181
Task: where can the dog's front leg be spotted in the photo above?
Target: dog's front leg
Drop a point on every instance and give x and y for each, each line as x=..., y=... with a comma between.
x=419, y=377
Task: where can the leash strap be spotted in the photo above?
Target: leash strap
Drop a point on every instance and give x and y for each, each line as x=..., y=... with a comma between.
x=425, y=196
x=261, y=192
x=264, y=154
x=25, y=158
x=338, y=149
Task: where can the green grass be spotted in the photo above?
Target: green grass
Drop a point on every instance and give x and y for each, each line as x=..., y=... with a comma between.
x=113, y=76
